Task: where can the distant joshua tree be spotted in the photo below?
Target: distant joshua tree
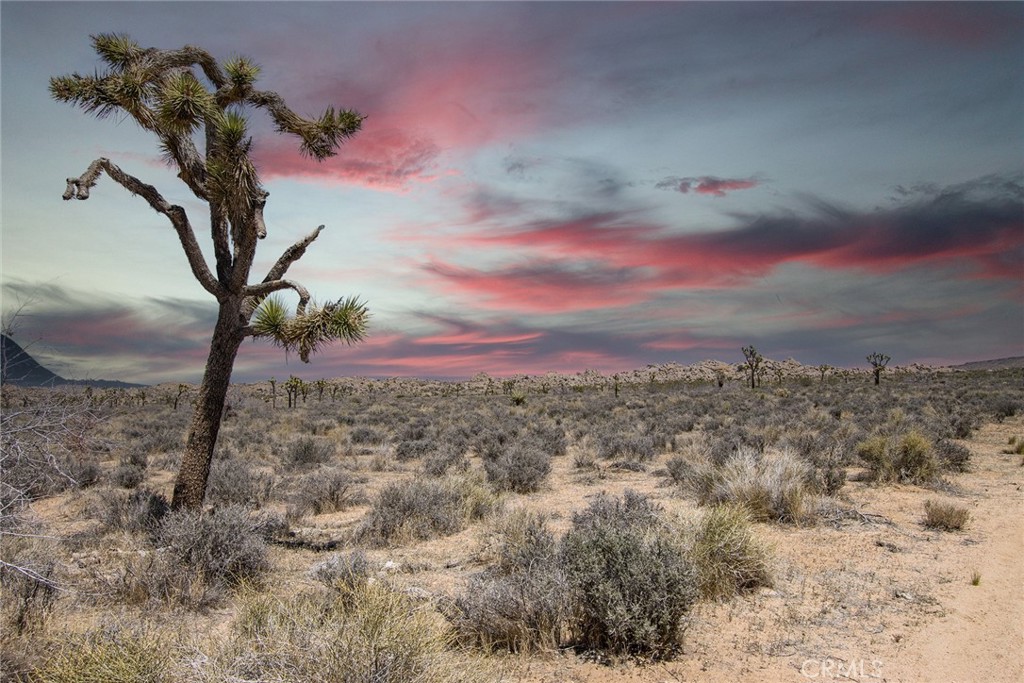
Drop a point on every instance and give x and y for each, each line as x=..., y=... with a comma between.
x=754, y=360
x=194, y=106
x=878, y=362
x=823, y=369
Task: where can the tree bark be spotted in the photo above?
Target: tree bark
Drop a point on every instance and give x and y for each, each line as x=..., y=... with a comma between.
x=190, y=486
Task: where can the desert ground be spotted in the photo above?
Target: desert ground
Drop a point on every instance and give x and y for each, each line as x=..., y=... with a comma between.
x=858, y=585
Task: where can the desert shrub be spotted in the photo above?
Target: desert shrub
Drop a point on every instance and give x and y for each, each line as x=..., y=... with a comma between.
x=630, y=447
x=344, y=573
x=365, y=435
x=161, y=438
x=374, y=633
x=420, y=509
x=945, y=516
x=550, y=438
x=521, y=466
x=328, y=489
x=952, y=456
x=1004, y=407
x=309, y=451
x=140, y=511
x=108, y=656
x=198, y=558
x=410, y=450
x=234, y=481
x=416, y=429
x=827, y=468
x=908, y=458
x=446, y=458
x=727, y=556
x=27, y=583
x=630, y=582
x=128, y=474
x=519, y=603
x=222, y=544
x=772, y=487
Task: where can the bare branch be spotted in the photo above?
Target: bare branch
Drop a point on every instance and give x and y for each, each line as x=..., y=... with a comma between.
x=79, y=188
x=291, y=255
x=264, y=288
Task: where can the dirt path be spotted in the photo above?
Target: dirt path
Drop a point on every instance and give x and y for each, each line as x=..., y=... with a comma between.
x=981, y=636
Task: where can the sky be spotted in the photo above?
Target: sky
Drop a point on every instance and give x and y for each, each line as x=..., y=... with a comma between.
x=545, y=186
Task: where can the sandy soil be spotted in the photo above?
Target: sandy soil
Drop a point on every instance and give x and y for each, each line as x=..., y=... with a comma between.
x=872, y=597
x=880, y=598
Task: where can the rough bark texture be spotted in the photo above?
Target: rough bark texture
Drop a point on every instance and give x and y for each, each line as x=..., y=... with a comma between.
x=190, y=486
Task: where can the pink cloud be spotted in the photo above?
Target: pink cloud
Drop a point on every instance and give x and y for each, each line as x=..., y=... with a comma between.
x=541, y=287
x=708, y=185
x=618, y=259
x=425, y=98
x=473, y=338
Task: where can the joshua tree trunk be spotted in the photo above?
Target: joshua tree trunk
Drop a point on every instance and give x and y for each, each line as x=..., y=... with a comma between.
x=190, y=486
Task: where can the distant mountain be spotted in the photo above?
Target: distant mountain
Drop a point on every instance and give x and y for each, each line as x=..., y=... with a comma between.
x=17, y=367
x=997, y=364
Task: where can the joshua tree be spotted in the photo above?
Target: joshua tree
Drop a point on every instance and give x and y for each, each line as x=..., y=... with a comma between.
x=878, y=362
x=193, y=105
x=823, y=369
x=754, y=360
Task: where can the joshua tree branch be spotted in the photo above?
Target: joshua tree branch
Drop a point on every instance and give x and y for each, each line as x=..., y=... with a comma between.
x=291, y=255
x=78, y=188
x=264, y=288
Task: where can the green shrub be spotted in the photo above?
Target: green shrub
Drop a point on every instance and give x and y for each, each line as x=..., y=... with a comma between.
x=945, y=516
x=631, y=585
x=727, y=556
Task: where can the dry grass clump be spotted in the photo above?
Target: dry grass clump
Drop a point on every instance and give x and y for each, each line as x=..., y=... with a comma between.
x=371, y=633
x=420, y=509
x=112, y=655
x=908, y=458
x=945, y=516
x=728, y=557
x=775, y=486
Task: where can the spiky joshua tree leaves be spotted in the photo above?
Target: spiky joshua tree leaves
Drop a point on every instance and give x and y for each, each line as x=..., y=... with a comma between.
x=194, y=106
